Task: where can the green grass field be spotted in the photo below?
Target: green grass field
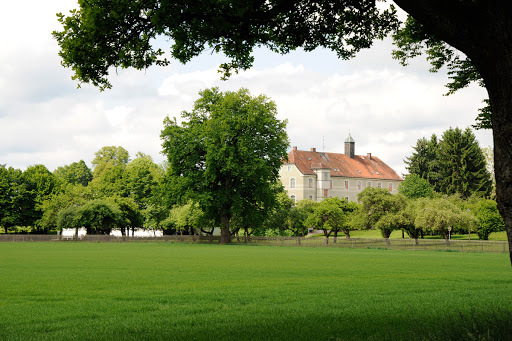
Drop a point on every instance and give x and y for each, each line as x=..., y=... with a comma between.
x=166, y=291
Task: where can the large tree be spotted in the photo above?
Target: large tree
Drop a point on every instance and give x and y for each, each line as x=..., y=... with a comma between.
x=226, y=155
x=103, y=33
x=454, y=164
x=462, y=164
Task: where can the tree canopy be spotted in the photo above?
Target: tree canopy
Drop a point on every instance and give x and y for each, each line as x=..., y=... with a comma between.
x=226, y=155
x=454, y=164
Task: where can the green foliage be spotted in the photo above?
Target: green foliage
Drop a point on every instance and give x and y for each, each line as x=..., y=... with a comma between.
x=331, y=215
x=462, y=164
x=99, y=217
x=455, y=164
x=441, y=215
x=187, y=217
x=101, y=34
x=109, y=155
x=489, y=218
x=423, y=161
x=379, y=203
x=415, y=186
x=75, y=173
x=38, y=184
x=11, y=199
x=69, y=195
x=226, y=155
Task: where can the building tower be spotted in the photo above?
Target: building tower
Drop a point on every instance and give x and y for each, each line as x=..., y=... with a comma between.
x=350, y=147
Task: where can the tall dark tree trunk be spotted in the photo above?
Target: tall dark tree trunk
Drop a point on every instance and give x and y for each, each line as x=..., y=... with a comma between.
x=225, y=236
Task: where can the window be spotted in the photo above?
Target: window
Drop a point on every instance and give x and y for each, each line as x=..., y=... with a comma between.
x=289, y=168
x=390, y=186
x=346, y=184
x=325, y=193
x=310, y=181
x=310, y=197
x=292, y=183
x=293, y=198
x=379, y=185
x=330, y=184
x=359, y=185
x=369, y=184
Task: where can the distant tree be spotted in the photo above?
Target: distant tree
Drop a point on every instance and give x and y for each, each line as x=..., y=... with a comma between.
x=38, y=183
x=331, y=215
x=187, y=217
x=415, y=186
x=131, y=215
x=462, y=164
x=226, y=153
x=75, y=173
x=455, y=164
x=424, y=160
x=111, y=182
x=379, y=203
x=67, y=219
x=441, y=215
x=154, y=215
x=141, y=178
x=99, y=217
x=109, y=155
x=489, y=218
x=69, y=195
x=10, y=197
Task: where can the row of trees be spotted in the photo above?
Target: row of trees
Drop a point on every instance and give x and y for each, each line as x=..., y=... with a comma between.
x=223, y=171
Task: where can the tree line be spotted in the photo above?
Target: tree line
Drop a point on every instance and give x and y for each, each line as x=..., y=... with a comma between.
x=222, y=171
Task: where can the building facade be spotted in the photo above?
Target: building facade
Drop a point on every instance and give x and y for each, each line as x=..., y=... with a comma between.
x=318, y=175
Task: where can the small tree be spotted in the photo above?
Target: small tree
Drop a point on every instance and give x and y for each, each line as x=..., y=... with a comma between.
x=489, y=219
x=441, y=215
x=330, y=216
x=378, y=203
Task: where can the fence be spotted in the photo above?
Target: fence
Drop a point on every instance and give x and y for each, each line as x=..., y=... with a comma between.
x=399, y=244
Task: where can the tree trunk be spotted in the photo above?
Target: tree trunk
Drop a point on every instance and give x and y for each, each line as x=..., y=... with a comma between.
x=499, y=87
x=225, y=236
x=347, y=234
x=335, y=236
x=326, y=241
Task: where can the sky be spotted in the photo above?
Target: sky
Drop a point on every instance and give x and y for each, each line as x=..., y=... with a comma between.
x=45, y=119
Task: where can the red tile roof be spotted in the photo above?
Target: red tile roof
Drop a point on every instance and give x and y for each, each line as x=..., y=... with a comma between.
x=360, y=166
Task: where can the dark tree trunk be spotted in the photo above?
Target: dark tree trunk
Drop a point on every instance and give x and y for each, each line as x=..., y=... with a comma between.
x=335, y=236
x=225, y=236
x=347, y=234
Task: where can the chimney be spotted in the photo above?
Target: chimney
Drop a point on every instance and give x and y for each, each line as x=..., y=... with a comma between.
x=369, y=155
x=295, y=148
x=313, y=149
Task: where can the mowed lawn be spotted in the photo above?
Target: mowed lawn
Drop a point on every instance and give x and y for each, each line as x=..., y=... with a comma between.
x=166, y=291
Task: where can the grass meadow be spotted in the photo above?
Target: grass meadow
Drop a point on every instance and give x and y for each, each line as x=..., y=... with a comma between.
x=167, y=291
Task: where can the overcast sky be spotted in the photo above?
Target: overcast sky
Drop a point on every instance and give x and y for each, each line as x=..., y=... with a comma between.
x=45, y=119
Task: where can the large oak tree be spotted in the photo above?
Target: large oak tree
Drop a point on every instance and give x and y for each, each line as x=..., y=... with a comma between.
x=226, y=155
x=102, y=34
